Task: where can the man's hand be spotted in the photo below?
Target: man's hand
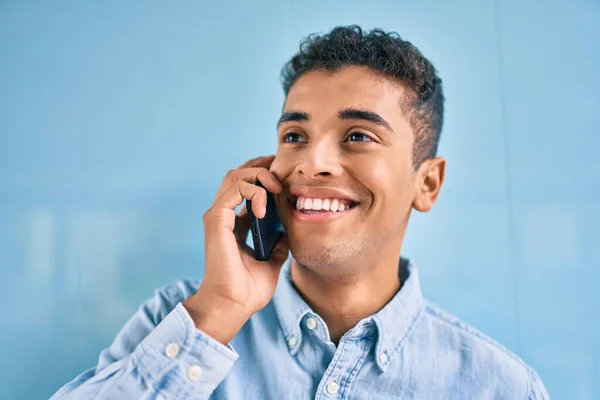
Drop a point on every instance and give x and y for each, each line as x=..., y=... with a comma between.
x=235, y=284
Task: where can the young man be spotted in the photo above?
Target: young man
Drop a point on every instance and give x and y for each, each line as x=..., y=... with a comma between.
x=344, y=318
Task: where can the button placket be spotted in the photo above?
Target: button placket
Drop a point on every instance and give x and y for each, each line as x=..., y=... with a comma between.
x=350, y=355
x=332, y=387
x=335, y=374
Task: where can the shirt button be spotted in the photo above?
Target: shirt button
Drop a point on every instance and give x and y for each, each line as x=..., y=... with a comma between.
x=311, y=323
x=172, y=350
x=194, y=373
x=292, y=342
x=332, y=387
x=383, y=358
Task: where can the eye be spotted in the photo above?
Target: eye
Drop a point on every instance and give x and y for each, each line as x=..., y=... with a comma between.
x=293, y=138
x=359, y=137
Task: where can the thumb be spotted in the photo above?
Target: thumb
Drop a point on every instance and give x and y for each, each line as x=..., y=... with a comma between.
x=280, y=252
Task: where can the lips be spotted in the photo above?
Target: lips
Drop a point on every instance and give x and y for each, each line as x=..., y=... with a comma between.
x=318, y=199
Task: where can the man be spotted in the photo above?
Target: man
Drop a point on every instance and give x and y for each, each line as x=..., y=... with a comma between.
x=344, y=318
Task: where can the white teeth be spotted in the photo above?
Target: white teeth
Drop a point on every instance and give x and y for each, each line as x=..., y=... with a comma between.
x=317, y=203
x=308, y=203
x=335, y=203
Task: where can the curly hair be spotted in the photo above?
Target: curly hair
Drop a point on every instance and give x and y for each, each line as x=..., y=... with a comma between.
x=387, y=54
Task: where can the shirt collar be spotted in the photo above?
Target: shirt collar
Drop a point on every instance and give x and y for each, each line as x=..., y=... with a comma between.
x=394, y=321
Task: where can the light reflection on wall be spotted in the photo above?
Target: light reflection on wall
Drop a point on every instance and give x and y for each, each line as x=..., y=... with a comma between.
x=41, y=245
x=41, y=258
x=94, y=241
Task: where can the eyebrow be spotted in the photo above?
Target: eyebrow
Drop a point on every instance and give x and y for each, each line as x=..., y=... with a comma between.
x=347, y=114
x=364, y=115
x=292, y=116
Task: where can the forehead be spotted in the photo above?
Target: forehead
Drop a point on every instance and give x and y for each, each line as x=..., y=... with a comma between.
x=324, y=92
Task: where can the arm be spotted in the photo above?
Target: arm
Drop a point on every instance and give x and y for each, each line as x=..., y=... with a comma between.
x=153, y=355
x=176, y=347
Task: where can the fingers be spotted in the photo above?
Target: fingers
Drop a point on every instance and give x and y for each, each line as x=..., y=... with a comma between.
x=252, y=175
x=242, y=225
x=280, y=252
x=241, y=191
x=222, y=212
x=264, y=162
x=278, y=256
x=238, y=185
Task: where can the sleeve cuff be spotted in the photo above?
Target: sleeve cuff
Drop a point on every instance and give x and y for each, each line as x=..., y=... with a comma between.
x=178, y=358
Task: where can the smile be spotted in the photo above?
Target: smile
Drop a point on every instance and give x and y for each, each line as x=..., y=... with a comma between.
x=311, y=205
x=320, y=209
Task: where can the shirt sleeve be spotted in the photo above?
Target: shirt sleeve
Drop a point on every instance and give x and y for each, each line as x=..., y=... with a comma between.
x=538, y=390
x=154, y=357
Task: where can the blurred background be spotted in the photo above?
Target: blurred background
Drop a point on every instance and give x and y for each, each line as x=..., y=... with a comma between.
x=119, y=119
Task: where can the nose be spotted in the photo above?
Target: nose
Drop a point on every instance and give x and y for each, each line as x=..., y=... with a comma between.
x=320, y=160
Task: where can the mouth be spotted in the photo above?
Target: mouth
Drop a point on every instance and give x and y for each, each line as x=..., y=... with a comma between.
x=313, y=205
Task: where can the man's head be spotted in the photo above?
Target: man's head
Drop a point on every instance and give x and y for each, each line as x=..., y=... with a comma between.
x=360, y=126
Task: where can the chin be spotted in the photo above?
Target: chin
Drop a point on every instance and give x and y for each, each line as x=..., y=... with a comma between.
x=319, y=255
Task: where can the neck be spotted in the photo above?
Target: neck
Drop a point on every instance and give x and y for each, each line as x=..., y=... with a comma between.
x=343, y=301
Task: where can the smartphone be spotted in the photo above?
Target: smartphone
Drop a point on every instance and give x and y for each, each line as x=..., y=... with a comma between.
x=266, y=231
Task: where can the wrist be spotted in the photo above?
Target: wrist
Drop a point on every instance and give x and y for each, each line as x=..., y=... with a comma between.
x=217, y=317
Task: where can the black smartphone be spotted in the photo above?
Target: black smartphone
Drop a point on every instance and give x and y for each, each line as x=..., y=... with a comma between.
x=266, y=231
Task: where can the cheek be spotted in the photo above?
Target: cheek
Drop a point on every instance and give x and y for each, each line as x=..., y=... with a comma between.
x=382, y=173
x=390, y=181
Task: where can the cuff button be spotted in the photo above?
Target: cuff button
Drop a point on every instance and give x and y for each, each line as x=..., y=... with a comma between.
x=194, y=373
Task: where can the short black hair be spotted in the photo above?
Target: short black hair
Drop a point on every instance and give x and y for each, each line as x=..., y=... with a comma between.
x=387, y=54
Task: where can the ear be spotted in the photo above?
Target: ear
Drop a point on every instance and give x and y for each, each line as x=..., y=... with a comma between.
x=429, y=181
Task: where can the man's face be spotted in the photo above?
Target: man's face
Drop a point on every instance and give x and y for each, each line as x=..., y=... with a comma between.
x=343, y=139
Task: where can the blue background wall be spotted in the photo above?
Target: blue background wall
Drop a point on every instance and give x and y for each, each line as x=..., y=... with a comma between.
x=119, y=119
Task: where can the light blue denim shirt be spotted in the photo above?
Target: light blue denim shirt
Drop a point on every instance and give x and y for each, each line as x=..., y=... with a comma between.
x=408, y=350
